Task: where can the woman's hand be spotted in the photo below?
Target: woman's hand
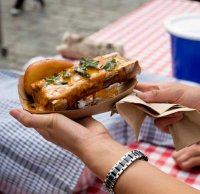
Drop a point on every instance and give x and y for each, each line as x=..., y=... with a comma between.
x=62, y=131
x=172, y=93
x=86, y=138
x=188, y=157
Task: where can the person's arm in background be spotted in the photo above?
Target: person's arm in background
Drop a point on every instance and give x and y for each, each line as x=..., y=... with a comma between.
x=189, y=96
x=91, y=142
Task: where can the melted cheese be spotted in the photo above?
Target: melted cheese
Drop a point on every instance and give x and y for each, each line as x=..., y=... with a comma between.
x=107, y=93
x=92, y=71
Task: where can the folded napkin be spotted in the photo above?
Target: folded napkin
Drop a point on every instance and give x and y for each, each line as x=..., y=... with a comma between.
x=184, y=133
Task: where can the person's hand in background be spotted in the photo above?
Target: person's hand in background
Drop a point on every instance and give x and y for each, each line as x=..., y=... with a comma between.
x=188, y=157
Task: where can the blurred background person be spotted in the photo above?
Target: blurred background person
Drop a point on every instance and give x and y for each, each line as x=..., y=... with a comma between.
x=18, y=7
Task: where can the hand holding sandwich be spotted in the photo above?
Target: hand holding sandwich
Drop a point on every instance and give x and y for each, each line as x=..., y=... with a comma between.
x=62, y=131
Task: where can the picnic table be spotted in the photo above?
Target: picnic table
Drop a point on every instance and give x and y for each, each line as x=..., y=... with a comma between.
x=144, y=37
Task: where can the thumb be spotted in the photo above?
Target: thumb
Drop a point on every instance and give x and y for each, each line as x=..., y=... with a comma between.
x=163, y=95
x=32, y=120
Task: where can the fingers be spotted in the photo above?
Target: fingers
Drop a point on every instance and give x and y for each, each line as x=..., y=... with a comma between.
x=53, y=127
x=188, y=158
x=42, y=123
x=191, y=163
x=32, y=120
x=143, y=87
x=53, y=123
x=187, y=152
x=159, y=92
x=163, y=123
x=164, y=95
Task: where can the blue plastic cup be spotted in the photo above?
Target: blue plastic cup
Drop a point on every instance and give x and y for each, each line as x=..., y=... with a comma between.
x=184, y=33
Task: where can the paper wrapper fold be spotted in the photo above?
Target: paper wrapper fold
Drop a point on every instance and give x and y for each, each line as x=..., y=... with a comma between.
x=184, y=133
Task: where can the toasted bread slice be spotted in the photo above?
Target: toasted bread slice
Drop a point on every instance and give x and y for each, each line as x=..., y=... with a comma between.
x=43, y=68
x=62, y=90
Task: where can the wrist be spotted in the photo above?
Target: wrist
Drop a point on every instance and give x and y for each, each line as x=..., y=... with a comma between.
x=84, y=143
x=101, y=153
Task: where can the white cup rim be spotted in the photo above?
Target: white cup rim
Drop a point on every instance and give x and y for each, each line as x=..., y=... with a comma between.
x=177, y=31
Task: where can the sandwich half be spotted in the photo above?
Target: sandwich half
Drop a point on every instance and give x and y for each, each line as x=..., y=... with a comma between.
x=62, y=90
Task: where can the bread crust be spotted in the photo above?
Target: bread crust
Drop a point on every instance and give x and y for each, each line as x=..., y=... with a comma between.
x=41, y=69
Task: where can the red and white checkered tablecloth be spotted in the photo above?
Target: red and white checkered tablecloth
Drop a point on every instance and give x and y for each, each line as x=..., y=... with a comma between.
x=144, y=37
x=143, y=34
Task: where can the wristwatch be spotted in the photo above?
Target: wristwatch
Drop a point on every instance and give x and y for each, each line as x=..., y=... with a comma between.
x=120, y=167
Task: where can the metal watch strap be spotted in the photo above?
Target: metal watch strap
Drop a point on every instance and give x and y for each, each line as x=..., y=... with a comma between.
x=119, y=168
